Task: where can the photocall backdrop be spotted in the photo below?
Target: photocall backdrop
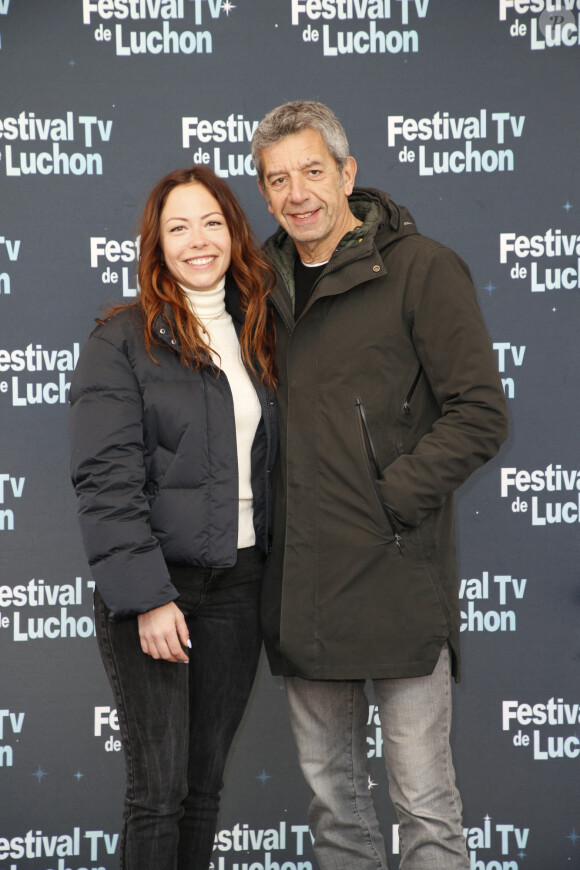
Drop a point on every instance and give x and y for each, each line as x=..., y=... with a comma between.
x=468, y=114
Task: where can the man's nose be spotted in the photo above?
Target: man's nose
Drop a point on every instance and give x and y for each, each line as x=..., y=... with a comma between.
x=297, y=189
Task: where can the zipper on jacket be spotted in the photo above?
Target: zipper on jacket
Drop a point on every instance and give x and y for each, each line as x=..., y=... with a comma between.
x=281, y=315
x=407, y=402
x=272, y=300
x=269, y=403
x=376, y=472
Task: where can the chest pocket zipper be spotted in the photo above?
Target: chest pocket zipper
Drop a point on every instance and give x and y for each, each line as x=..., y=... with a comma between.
x=375, y=472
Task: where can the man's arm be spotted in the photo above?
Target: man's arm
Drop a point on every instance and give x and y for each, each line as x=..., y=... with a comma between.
x=453, y=346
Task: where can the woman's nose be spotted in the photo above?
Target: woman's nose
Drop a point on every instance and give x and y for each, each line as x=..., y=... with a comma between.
x=197, y=238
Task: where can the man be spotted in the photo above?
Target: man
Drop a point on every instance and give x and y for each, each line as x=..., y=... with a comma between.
x=389, y=398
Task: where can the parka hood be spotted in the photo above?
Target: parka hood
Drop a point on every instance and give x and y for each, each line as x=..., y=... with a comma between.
x=380, y=215
x=384, y=223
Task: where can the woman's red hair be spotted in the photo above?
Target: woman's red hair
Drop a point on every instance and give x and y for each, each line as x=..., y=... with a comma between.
x=251, y=272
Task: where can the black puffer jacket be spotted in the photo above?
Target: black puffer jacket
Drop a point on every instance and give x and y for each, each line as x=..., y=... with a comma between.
x=154, y=462
x=389, y=398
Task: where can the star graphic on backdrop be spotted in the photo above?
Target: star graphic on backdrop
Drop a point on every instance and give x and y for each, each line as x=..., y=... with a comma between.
x=72, y=63
x=490, y=287
x=372, y=784
x=567, y=206
x=521, y=854
x=40, y=773
x=573, y=836
x=78, y=775
x=263, y=777
x=487, y=818
x=227, y=6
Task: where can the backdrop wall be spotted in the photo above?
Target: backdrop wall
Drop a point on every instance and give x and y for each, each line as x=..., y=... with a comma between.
x=468, y=114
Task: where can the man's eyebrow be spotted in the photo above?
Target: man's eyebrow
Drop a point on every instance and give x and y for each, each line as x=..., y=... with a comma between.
x=308, y=164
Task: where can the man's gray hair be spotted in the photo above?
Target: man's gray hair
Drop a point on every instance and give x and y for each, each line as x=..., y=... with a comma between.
x=295, y=117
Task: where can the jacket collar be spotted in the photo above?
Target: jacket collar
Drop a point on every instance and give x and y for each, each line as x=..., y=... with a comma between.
x=164, y=323
x=384, y=222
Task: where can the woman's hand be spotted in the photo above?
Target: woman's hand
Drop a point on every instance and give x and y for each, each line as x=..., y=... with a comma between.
x=164, y=633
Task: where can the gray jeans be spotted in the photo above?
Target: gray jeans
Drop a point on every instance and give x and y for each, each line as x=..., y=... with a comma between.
x=329, y=721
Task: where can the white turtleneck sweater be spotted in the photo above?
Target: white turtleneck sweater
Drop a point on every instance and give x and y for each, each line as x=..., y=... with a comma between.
x=209, y=307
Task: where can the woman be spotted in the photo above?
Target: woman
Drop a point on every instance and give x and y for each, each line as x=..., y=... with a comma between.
x=173, y=436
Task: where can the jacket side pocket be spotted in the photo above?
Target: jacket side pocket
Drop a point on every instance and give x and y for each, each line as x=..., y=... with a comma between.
x=373, y=467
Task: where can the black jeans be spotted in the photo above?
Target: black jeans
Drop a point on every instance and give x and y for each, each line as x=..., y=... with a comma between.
x=177, y=721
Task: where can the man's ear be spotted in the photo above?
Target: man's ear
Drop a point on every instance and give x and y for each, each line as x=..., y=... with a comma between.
x=266, y=197
x=348, y=175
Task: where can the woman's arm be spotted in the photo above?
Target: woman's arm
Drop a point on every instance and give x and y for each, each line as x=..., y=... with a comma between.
x=108, y=473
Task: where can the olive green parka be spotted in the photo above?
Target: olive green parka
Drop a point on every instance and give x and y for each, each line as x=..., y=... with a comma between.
x=389, y=398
